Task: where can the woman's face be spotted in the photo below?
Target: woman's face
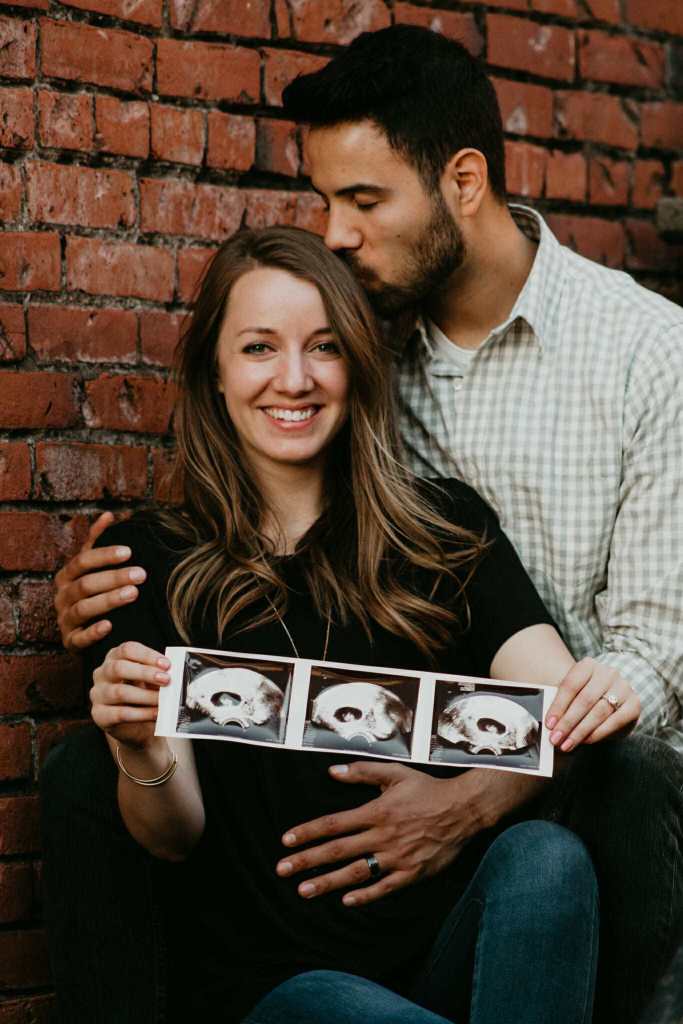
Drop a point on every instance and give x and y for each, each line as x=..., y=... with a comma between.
x=285, y=381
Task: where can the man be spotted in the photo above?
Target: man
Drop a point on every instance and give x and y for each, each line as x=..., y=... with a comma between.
x=552, y=386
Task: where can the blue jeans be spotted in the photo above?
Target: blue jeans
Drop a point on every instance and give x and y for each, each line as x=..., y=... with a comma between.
x=623, y=799
x=520, y=946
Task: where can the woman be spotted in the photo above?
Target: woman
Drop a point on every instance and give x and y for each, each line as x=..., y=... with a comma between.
x=300, y=533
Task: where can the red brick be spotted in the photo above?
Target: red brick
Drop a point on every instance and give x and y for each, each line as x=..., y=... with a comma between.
x=454, y=24
x=16, y=892
x=595, y=117
x=525, y=168
x=71, y=334
x=29, y=261
x=265, y=207
x=38, y=541
x=159, y=336
x=609, y=181
x=40, y=5
x=232, y=141
x=34, y=399
x=167, y=487
x=648, y=183
x=619, y=59
x=11, y=192
x=15, y=471
x=175, y=207
x=101, y=56
x=647, y=250
x=8, y=631
x=546, y=50
x=310, y=213
x=605, y=10
x=525, y=109
x=277, y=148
x=136, y=404
x=103, y=268
x=65, y=119
x=566, y=8
x=71, y=194
x=16, y=118
x=662, y=125
x=600, y=240
x=336, y=21
x=191, y=264
x=12, y=333
x=28, y=1009
x=19, y=824
x=23, y=960
x=281, y=66
x=146, y=12
x=676, y=180
x=38, y=623
x=66, y=472
x=283, y=20
x=177, y=135
x=229, y=17
x=662, y=15
x=15, y=759
x=51, y=733
x=517, y=5
x=207, y=71
x=122, y=127
x=39, y=683
x=566, y=176
x=17, y=48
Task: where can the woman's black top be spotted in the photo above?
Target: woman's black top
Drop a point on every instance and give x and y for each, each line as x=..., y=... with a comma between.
x=255, y=929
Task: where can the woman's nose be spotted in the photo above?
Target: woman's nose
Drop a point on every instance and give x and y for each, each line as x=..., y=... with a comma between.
x=293, y=375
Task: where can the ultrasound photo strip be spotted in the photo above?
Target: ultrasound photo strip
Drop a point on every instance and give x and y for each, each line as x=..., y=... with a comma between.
x=359, y=710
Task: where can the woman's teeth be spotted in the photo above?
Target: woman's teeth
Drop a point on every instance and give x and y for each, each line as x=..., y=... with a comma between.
x=293, y=415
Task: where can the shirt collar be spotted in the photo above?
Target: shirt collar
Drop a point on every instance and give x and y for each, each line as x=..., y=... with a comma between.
x=538, y=301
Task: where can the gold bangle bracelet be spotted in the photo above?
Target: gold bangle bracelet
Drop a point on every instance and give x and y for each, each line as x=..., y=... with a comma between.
x=160, y=779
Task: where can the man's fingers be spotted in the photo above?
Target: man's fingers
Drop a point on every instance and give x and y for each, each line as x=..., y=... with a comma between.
x=575, y=680
x=390, y=883
x=331, y=825
x=88, y=608
x=372, y=773
x=79, y=639
x=97, y=528
x=334, y=852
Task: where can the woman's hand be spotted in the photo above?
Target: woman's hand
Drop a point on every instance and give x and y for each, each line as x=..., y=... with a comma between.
x=592, y=702
x=125, y=693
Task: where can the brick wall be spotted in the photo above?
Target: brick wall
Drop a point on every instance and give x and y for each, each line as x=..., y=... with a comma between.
x=137, y=134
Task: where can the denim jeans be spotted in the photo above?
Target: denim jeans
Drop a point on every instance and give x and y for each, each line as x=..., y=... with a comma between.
x=624, y=799
x=520, y=946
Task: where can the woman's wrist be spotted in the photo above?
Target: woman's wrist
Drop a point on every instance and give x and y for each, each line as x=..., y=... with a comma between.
x=146, y=762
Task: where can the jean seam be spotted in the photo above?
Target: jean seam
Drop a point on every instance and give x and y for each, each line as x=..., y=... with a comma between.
x=437, y=957
x=585, y=1017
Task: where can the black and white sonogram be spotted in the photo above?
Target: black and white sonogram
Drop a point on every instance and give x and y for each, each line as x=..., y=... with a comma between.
x=236, y=697
x=361, y=712
x=486, y=724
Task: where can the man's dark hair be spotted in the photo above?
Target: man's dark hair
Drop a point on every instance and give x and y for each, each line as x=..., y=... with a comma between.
x=428, y=95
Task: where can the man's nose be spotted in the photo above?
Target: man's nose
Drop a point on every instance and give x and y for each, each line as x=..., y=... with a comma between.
x=293, y=376
x=340, y=232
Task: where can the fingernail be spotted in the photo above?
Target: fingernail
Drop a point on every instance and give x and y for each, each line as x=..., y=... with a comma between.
x=552, y=722
x=123, y=552
x=103, y=628
x=161, y=677
x=567, y=745
x=348, y=901
x=307, y=889
x=556, y=737
x=127, y=593
x=137, y=575
x=284, y=868
x=289, y=839
x=163, y=663
x=339, y=769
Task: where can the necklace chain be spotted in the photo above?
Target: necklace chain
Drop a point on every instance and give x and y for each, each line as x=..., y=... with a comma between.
x=289, y=635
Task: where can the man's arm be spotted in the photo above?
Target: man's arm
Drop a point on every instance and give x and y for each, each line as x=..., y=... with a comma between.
x=84, y=592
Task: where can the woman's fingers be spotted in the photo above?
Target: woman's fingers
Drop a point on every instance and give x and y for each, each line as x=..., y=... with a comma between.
x=132, y=650
x=573, y=682
x=623, y=719
x=582, y=709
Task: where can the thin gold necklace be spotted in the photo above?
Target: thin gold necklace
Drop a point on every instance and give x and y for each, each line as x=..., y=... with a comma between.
x=289, y=635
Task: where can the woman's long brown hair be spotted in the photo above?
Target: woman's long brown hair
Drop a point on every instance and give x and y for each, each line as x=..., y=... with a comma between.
x=376, y=530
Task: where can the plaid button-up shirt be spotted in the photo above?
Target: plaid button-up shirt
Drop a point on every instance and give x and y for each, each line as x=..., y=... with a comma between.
x=568, y=420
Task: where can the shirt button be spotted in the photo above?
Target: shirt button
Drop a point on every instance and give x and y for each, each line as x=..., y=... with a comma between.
x=458, y=384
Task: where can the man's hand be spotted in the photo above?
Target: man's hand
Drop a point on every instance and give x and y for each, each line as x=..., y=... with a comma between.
x=83, y=593
x=415, y=828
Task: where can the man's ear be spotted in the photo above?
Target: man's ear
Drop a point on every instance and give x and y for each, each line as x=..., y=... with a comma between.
x=465, y=182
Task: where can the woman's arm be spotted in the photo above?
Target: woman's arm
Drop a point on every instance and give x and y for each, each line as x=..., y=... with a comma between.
x=167, y=819
x=581, y=712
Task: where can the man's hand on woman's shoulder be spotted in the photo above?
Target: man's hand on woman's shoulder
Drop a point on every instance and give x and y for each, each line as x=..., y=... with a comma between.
x=89, y=586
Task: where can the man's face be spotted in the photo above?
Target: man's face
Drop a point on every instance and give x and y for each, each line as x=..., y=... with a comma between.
x=399, y=238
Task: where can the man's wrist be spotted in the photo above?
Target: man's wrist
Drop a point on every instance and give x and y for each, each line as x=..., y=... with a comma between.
x=491, y=795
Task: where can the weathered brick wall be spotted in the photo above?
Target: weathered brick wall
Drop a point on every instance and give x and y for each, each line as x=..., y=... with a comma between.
x=136, y=134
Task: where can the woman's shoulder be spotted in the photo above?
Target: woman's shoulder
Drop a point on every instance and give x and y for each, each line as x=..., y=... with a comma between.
x=460, y=504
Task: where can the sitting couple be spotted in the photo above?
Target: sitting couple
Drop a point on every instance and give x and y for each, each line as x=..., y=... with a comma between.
x=273, y=885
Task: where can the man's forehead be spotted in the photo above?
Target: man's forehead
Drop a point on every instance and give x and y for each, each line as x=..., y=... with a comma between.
x=338, y=156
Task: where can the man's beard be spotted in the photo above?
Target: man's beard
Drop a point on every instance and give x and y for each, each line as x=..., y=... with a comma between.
x=436, y=254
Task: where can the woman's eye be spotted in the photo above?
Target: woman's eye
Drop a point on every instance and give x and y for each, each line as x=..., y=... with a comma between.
x=256, y=348
x=328, y=348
